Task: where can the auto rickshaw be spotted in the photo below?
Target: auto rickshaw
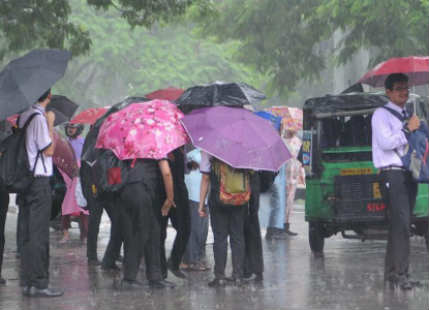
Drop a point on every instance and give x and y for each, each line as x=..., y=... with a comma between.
x=342, y=190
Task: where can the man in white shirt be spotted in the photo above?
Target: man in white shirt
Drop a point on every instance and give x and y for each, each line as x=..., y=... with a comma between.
x=37, y=200
x=399, y=190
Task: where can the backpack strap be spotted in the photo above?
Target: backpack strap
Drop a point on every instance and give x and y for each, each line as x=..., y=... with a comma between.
x=395, y=113
x=398, y=116
x=27, y=122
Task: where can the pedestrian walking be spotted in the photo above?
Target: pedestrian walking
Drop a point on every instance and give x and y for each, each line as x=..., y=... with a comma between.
x=179, y=216
x=70, y=206
x=195, y=255
x=36, y=209
x=226, y=221
x=399, y=190
x=4, y=203
x=137, y=204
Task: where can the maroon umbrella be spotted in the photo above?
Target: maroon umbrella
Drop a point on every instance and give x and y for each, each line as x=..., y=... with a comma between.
x=169, y=93
x=417, y=69
x=64, y=157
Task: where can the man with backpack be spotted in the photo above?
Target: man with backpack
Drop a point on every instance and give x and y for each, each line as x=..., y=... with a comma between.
x=36, y=208
x=398, y=188
x=229, y=203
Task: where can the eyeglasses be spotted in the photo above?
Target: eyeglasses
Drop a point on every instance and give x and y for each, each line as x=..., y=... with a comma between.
x=401, y=88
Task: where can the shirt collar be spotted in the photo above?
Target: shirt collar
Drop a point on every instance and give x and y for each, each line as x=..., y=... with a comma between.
x=393, y=106
x=37, y=106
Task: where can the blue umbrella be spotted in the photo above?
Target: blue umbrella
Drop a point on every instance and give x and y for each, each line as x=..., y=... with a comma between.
x=275, y=120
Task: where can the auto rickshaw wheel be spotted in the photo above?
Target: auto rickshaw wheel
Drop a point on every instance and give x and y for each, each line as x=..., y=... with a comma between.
x=316, y=237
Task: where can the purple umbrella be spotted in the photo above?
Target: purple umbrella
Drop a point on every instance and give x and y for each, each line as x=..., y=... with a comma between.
x=236, y=136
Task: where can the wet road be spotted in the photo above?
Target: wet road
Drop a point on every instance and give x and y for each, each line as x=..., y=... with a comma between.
x=350, y=276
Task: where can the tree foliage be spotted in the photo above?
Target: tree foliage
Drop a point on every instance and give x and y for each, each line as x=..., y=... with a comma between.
x=124, y=62
x=27, y=24
x=286, y=39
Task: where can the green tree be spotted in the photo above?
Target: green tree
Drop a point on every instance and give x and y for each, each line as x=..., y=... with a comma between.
x=286, y=39
x=26, y=24
x=126, y=62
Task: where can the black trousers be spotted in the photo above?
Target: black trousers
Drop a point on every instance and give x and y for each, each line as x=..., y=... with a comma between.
x=228, y=222
x=181, y=220
x=253, y=258
x=4, y=203
x=113, y=249
x=35, y=215
x=399, y=193
x=140, y=230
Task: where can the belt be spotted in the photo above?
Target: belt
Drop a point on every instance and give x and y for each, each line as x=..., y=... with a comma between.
x=389, y=168
x=40, y=176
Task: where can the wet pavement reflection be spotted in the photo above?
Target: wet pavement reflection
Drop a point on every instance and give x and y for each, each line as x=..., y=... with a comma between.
x=349, y=276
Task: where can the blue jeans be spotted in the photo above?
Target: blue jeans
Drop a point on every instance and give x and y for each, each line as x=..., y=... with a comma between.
x=278, y=200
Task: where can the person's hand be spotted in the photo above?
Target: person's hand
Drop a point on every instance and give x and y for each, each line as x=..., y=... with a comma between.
x=168, y=203
x=50, y=117
x=202, y=211
x=413, y=123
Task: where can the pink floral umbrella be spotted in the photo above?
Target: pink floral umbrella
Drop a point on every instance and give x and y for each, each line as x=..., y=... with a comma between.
x=143, y=130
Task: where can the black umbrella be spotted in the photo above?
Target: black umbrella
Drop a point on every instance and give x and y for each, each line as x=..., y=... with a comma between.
x=219, y=93
x=63, y=108
x=25, y=79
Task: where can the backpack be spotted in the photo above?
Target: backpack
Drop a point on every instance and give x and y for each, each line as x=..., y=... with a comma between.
x=15, y=172
x=266, y=180
x=233, y=184
x=416, y=157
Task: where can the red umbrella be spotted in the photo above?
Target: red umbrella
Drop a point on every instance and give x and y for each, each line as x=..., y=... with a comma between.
x=417, y=69
x=64, y=157
x=89, y=116
x=170, y=94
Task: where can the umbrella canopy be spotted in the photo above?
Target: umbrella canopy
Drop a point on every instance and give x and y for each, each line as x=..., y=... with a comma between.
x=63, y=108
x=236, y=136
x=89, y=116
x=64, y=157
x=417, y=69
x=292, y=118
x=226, y=94
x=170, y=94
x=143, y=130
x=275, y=120
x=25, y=79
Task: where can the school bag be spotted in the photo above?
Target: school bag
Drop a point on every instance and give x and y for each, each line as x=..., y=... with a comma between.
x=15, y=172
x=233, y=185
x=416, y=157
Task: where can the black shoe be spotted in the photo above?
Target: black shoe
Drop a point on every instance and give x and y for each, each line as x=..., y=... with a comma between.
x=275, y=234
x=130, y=285
x=94, y=262
x=158, y=284
x=257, y=277
x=287, y=230
x=110, y=267
x=176, y=271
x=45, y=292
x=216, y=282
x=2, y=281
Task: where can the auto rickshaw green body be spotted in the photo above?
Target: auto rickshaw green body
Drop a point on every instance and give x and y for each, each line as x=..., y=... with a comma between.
x=342, y=190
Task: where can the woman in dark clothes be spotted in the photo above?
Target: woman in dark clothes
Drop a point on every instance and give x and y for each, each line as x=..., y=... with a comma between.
x=137, y=201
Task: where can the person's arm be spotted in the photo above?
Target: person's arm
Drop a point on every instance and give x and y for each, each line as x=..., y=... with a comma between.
x=386, y=138
x=168, y=186
x=204, y=188
x=50, y=117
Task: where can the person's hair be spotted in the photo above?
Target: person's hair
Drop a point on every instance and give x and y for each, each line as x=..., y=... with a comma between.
x=44, y=96
x=394, y=78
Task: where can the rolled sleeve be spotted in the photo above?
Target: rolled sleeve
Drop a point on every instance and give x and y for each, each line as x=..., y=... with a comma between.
x=205, y=164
